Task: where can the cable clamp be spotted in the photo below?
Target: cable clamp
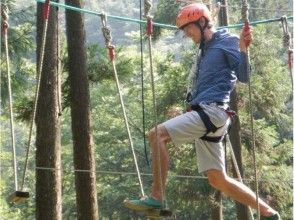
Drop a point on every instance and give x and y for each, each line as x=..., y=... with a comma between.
x=108, y=38
x=5, y=16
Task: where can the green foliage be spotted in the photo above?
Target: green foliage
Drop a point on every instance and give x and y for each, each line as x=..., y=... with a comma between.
x=116, y=177
x=20, y=46
x=271, y=100
x=165, y=16
x=7, y=210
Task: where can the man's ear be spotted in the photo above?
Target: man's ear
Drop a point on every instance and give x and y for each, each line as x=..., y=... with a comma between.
x=202, y=22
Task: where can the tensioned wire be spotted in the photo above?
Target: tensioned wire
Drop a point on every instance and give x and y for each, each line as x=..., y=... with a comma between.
x=155, y=23
x=233, y=7
x=109, y=172
x=129, y=173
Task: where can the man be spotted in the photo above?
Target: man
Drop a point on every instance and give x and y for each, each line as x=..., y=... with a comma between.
x=222, y=61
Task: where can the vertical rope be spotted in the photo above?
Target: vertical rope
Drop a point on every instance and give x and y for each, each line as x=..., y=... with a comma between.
x=142, y=86
x=149, y=30
x=59, y=69
x=5, y=26
x=245, y=16
x=288, y=46
x=46, y=11
x=111, y=52
x=227, y=139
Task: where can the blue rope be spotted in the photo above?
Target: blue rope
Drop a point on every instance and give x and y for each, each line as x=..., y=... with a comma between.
x=167, y=26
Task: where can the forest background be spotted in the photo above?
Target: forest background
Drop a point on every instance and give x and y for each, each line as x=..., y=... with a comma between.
x=188, y=193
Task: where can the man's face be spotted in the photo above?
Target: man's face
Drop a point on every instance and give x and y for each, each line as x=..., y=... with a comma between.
x=192, y=31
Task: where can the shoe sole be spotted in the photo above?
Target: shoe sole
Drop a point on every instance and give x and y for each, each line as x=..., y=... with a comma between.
x=139, y=208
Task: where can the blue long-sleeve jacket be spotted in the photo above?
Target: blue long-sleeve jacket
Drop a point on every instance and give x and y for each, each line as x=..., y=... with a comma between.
x=219, y=69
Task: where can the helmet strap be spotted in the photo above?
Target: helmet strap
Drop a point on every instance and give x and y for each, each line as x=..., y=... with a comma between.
x=202, y=40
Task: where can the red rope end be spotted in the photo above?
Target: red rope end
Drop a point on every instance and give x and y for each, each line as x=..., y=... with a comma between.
x=246, y=28
x=4, y=27
x=111, y=53
x=46, y=9
x=149, y=28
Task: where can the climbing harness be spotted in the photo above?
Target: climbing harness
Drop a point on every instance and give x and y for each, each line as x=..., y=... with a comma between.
x=17, y=196
x=288, y=46
x=245, y=15
x=111, y=53
x=210, y=127
x=46, y=11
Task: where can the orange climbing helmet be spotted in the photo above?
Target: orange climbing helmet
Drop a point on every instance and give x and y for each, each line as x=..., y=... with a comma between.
x=192, y=13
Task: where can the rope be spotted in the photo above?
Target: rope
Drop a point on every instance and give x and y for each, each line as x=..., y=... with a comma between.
x=5, y=26
x=108, y=43
x=227, y=139
x=72, y=170
x=149, y=31
x=287, y=44
x=142, y=86
x=245, y=15
x=46, y=11
x=155, y=23
x=59, y=67
x=255, y=23
x=147, y=7
x=142, y=174
x=218, y=4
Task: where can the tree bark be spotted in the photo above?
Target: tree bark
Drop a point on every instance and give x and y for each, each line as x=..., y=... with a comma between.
x=235, y=138
x=217, y=209
x=85, y=182
x=48, y=182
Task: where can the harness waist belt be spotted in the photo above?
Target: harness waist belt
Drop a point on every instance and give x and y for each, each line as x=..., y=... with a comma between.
x=205, y=118
x=210, y=127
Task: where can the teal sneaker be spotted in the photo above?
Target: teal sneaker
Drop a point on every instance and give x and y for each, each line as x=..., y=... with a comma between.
x=142, y=204
x=273, y=217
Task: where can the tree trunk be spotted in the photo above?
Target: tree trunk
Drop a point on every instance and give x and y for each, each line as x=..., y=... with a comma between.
x=85, y=182
x=48, y=182
x=217, y=208
x=235, y=138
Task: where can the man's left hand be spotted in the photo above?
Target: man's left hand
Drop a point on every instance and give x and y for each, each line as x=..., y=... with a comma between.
x=246, y=38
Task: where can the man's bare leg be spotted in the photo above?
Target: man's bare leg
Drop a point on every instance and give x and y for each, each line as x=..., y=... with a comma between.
x=159, y=168
x=237, y=191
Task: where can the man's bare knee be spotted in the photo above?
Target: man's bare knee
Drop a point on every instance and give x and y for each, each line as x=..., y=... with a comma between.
x=217, y=179
x=162, y=134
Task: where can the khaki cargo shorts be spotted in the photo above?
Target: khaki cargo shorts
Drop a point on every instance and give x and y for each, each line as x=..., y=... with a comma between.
x=188, y=127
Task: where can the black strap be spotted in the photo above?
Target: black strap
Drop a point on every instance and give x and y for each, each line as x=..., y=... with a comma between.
x=212, y=139
x=205, y=118
x=210, y=127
